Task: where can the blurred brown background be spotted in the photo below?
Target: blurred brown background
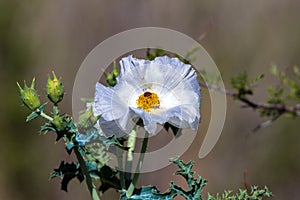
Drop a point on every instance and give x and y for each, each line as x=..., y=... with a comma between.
x=37, y=37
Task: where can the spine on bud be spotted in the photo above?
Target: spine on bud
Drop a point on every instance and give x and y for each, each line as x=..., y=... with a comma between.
x=29, y=95
x=55, y=89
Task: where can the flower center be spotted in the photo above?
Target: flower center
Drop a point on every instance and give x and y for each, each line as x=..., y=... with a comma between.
x=147, y=101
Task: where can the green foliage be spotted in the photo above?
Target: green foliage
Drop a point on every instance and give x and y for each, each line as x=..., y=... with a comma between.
x=194, y=191
x=188, y=58
x=243, y=85
x=108, y=179
x=275, y=97
x=36, y=113
x=146, y=193
x=62, y=125
x=91, y=147
x=111, y=78
x=157, y=52
x=195, y=185
x=92, y=135
x=87, y=119
x=290, y=89
x=190, y=55
x=91, y=155
x=97, y=154
x=210, y=78
x=285, y=93
x=243, y=194
x=67, y=172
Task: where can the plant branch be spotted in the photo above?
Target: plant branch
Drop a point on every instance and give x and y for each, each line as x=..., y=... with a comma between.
x=42, y=114
x=281, y=108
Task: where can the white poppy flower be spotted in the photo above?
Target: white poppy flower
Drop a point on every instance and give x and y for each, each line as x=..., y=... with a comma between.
x=158, y=91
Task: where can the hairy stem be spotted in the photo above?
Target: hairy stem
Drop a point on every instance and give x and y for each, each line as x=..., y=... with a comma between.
x=86, y=173
x=129, y=160
x=139, y=166
x=42, y=114
x=121, y=169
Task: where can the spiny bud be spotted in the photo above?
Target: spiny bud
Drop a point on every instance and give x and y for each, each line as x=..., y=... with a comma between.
x=115, y=70
x=87, y=119
x=29, y=95
x=55, y=89
x=110, y=79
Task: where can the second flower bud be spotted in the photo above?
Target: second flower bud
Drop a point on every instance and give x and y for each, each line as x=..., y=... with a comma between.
x=55, y=89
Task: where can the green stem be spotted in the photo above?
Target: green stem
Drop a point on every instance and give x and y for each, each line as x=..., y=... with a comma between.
x=129, y=160
x=139, y=166
x=85, y=171
x=121, y=168
x=131, y=145
x=42, y=114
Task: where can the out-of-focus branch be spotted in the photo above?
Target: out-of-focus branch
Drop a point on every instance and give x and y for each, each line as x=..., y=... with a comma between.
x=281, y=108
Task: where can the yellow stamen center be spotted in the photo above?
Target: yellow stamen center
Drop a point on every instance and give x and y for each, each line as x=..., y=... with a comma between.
x=147, y=101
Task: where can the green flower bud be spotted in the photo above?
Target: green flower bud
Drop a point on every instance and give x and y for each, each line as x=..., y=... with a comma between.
x=87, y=119
x=55, y=89
x=29, y=95
x=110, y=79
x=115, y=70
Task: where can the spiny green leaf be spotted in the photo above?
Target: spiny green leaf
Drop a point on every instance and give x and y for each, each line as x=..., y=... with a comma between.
x=32, y=116
x=97, y=154
x=46, y=128
x=92, y=135
x=36, y=113
x=62, y=125
x=67, y=171
x=87, y=119
x=113, y=140
x=146, y=193
x=243, y=194
x=193, y=193
x=69, y=147
x=108, y=179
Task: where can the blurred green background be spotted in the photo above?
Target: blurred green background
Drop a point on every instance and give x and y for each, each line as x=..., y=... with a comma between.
x=37, y=37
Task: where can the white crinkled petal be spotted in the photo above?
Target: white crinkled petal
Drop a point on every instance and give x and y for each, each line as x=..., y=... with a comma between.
x=163, y=72
x=183, y=117
x=150, y=119
x=110, y=128
x=175, y=71
x=104, y=99
x=173, y=81
x=133, y=70
x=112, y=104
